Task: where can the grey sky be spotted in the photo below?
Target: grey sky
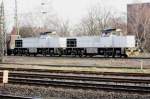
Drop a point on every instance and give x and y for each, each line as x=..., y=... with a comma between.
x=67, y=9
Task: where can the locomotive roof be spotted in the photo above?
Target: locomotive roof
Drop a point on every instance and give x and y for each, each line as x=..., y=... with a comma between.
x=108, y=30
x=45, y=33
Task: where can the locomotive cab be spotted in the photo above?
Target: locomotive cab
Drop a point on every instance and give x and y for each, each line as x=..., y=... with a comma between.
x=12, y=43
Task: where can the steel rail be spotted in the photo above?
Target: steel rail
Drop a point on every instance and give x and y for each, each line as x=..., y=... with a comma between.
x=83, y=78
x=13, y=97
x=79, y=85
x=77, y=72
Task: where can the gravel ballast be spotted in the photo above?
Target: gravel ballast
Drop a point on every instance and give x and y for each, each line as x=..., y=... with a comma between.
x=61, y=93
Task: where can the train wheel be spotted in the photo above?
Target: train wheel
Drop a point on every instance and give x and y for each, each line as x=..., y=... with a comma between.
x=27, y=54
x=59, y=54
x=51, y=52
x=44, y=53
x=15, y=52
x=35, y=54
x=113, y=54
x=125, y=56
x=20, y=53
x=91, y=56
x=9, y=52
x=106, y=55
x=80, y=55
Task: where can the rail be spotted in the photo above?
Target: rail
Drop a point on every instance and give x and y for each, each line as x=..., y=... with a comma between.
x=115, y=83
x=75, y=72
x=2, y=96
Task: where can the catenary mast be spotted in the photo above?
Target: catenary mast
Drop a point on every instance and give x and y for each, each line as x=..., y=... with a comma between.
x=2, y=33
x=16, y=18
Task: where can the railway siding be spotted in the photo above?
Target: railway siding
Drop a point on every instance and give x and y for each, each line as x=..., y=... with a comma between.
x=116, y=82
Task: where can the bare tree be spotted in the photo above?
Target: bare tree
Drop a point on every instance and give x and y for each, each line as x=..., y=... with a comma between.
x=33, y=23
x=138, y=23
x=97, y=19
x=29, y=31
x=119, y=23
x=62, y=27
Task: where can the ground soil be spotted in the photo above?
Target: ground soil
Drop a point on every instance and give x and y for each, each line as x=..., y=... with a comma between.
x=79, y=61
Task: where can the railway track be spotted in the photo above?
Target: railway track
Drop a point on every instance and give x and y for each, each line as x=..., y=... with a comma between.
x=82, y=78
x=2, y=96
x=114, y=83
x=75, y=72
x=82, y=66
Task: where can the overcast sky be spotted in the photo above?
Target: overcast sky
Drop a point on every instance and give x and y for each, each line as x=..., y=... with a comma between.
x=67, y=9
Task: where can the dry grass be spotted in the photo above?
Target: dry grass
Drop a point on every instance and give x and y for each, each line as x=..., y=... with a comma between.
x=89, y=69
x=79, y=61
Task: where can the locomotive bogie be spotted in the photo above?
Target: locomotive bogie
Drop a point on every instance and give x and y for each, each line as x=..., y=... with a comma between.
x=75, y=52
